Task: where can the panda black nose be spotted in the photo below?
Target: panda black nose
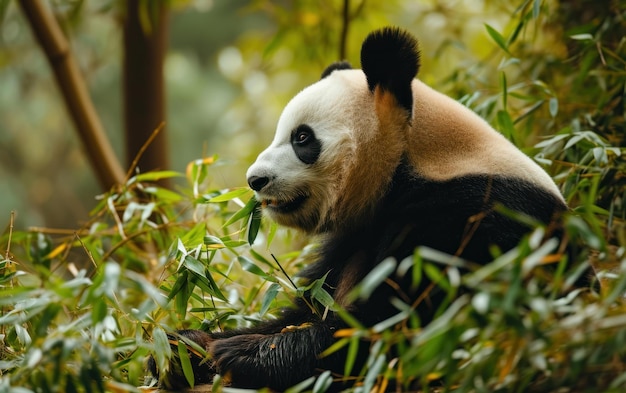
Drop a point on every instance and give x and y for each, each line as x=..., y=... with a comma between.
x=258, y=182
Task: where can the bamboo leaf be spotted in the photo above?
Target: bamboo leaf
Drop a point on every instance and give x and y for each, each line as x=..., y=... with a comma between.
x=162, y=348
x=373, y=372
x=297, y=388
x=582, y=37
x=244, y=212
x=504, y=90
x=553, y=105
x=271, y=233
x=373, y=279
x=185, y=363
x=231, y=244
x=254, y=225
x=251, y=267
x=497, y=37
x=214, y=289
x=261, y=258
x=599, y=155
x=269, y=297
x=321, y=295
x=58, y=250
x=194, y=265
x=505, y=124
x=165, y=195
x=390, y=322
x=335, y=347
x=98, y=311
x=536, y=8
x=184, y=293
x=529, y=111
x=353, y=351
x=551, y=141
x=323, y=382
x=181, y=279
x=210, y=240
x=515, y=34
x=230, y=195
x=154, y=176
x=436, y=276
x=574, y=140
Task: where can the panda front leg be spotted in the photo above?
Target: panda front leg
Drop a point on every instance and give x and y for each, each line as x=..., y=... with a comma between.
x=276, y=354
x=277, y=361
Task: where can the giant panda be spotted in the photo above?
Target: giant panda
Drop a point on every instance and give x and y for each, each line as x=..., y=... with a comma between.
x=374, y=163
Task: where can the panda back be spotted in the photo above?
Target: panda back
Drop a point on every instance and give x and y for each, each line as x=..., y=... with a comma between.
x=447, y=140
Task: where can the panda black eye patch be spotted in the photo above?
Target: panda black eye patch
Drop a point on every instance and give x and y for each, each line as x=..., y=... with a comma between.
x=304, y=143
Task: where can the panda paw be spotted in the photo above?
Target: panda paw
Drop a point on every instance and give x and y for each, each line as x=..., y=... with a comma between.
x=234, y=352
x=237, y=359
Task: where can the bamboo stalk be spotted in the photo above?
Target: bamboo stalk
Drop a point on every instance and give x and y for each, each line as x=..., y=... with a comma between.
x=74, y=92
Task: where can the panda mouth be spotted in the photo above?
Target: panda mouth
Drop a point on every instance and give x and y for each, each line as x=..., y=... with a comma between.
x=284, y=206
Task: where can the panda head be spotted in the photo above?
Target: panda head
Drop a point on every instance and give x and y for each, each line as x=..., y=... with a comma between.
x=339, y=141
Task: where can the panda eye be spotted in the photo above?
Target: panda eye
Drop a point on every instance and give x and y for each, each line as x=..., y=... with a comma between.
x=302, y=135
x=304, y=143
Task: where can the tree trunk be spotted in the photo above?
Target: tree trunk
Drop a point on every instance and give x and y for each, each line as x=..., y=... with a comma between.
x=145, y=43
x=74, y=92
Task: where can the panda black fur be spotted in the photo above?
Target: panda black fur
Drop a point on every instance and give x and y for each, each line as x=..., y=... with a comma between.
x=375, y=163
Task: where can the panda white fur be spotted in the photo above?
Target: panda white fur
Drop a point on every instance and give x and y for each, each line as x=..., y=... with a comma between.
x=376, y=163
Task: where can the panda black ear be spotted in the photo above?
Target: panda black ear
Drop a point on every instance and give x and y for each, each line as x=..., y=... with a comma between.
x=390, y=59
x=339, y=65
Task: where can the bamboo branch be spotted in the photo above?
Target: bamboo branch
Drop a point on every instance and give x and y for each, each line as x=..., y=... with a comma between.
x=142, y=150
x=75, y=93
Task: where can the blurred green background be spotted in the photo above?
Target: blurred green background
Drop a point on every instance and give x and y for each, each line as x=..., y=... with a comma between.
x=231, y=66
